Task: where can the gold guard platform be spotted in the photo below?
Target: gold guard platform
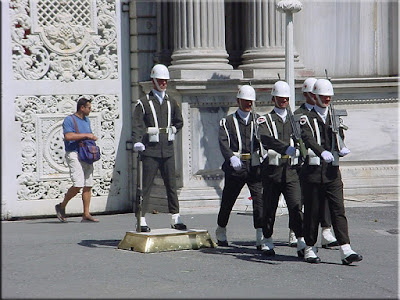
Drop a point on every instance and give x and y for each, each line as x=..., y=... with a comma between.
x=158, y=240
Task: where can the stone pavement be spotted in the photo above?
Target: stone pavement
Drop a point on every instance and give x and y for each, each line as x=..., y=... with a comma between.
x=43, y=258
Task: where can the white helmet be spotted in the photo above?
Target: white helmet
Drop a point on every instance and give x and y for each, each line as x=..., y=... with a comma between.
x=159, y=71
x=323, y=87
x=308, y=84
x=246, y=92
x=281, y=89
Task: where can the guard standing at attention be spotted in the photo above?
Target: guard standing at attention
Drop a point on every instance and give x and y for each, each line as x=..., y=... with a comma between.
x=156, y=119
x=279, y=170
x=321, y=177
x=241, y=150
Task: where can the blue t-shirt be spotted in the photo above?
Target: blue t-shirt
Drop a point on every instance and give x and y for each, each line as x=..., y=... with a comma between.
x=69, y=126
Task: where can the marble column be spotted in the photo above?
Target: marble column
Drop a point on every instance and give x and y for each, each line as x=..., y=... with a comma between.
x=165, y=33
x=264, y=56
x=199, y=41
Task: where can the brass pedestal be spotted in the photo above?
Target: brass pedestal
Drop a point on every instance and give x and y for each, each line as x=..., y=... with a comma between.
x=166, y=240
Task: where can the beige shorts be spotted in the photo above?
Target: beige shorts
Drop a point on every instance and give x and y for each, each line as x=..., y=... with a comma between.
x=81, y=173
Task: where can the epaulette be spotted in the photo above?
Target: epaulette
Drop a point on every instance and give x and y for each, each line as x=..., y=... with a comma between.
x=303, y=120
x=261, y=120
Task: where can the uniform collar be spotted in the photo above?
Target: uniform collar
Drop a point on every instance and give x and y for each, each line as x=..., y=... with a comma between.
x=243, y=115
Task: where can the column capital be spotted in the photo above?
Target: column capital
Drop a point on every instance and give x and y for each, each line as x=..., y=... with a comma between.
x=289, y=6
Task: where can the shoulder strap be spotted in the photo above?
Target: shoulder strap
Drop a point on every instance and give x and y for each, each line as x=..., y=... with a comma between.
x=139, y=102
x=275, y=131
x=153, y=111
x=239, y=137
x=223, y=123
x=169, y=113
x=317, y=133
x=76, y=125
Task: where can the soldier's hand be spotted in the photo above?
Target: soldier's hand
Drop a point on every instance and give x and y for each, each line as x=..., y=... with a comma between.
x=291, y=151
x=344, y=151
x=327, y=156
x=236, y=163
x=139, y=146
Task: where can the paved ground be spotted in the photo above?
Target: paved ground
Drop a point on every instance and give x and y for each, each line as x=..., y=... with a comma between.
x=43, y=258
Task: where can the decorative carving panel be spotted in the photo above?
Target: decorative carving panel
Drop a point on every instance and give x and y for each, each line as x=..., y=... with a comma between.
x=64, y=40
x=45, y=174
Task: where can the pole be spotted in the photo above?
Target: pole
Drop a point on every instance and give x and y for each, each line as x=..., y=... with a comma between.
x=289, y=58
x=289, y=7
x=139, y=192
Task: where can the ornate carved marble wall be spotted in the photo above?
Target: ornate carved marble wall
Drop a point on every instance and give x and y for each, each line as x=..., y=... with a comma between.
x=55, y=51
x=45, y=174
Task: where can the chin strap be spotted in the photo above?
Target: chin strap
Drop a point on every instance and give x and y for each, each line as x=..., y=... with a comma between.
x=158, y=86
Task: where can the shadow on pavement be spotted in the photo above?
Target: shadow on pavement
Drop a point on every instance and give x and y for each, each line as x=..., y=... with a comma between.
x=241, y=251
x=99, y=243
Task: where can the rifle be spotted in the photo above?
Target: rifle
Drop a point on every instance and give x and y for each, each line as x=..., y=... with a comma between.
x=139, y=192
x=336, y=123
x=255, y=159
x=296, y=133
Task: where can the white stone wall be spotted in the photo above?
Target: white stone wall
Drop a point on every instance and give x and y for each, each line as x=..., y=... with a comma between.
x=349, y=38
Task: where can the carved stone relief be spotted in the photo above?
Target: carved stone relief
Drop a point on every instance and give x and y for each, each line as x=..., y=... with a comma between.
x=64, y=40
x=45, y=174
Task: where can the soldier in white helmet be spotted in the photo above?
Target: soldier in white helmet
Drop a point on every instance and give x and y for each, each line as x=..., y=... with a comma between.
x=321, y=178
x=156, y=119
x=241, y=150
x=328, y=240
x=279, y=170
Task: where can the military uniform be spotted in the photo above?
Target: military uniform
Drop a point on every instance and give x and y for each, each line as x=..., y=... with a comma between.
x=321, y=181
x=250, y=171
x=281, y=178
x=158, y=155
x=325, y=215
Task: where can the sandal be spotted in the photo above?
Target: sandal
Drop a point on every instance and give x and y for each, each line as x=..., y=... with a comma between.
x=90, y=219
x=60, y=212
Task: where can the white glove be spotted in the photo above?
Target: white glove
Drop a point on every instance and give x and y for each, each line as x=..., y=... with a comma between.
x=327, y=156
x=236, y=163
x=291, y=151
x=173, y=129
x=139, y=146
x=344, y=151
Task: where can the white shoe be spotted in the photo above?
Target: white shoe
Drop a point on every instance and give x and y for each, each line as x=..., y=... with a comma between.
x=292, y=239
x=301, y=245
x=327, y=239
x=310, y=256
x=267, y=246
x=176, y=222
x=220, y=233
x=348, y=255
x=259, y=238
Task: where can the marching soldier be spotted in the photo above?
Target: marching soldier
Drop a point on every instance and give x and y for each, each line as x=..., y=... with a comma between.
x=157, y=118
x=279, y=170
x=240, y=148
x=321, y=176
x=327, y=239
